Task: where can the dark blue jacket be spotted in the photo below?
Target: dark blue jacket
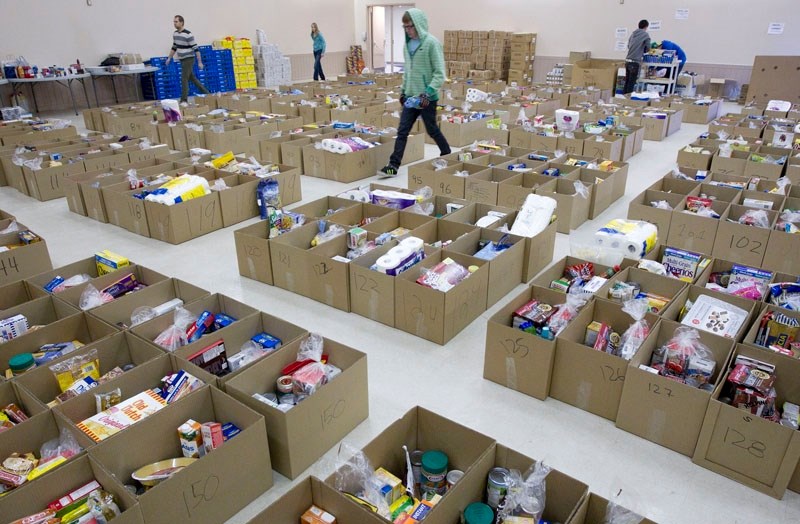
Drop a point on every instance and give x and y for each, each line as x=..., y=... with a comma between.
x=672, y=46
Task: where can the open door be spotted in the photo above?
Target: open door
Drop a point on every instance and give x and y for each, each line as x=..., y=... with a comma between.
x=378, y=37
x=386, y=37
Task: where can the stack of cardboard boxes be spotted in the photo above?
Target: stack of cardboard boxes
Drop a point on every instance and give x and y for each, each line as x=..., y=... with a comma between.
x=523, y=50
x=272, y=68
x=574, y=56
x=477, y=54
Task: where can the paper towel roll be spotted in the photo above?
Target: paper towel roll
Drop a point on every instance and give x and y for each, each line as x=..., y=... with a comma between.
x=631, y=238
x=413, y=243
x=387, y=262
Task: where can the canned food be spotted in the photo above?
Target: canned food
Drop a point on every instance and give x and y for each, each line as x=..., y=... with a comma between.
x=285, y=384
x=497, y=486
x=478, y=513
x=416, y=465
x=452, y=477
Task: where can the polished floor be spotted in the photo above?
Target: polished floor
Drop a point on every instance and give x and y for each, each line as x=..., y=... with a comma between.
x=405, y=371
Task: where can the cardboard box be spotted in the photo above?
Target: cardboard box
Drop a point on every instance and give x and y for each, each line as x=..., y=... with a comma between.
x=24, y=261
x=593, y=509
x=781, y=251
x=311, y=491
x=483, y=187
x=763, y=169
x=662, y=410
x=435, y=315
x=301, y=435
x=745, y=244
x=239, y=469
x=748, y=449
x=142, y=274
x=17, y=293
x=733, y=165
x=33, y=497
x=693, y=232
x=598, y=73
x=45, y=184
x=14, y=393
x=41, y=312
x=573, y=209
x=119, y=312
x=513, y=193
x=87, y=266
x=253, y=253
x=584, y=377
x=701, y=161
x=184, y=221
x=662, y=286
x=641, y=208
x=514, y=358
x=467, y=451
x=694, y=291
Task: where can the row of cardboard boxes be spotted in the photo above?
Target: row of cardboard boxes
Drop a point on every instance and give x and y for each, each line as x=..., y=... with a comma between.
x=693, y=421
x=751, y=126
x=732, y=235
x=322, y=272
x=694, y=110
x=748, y=158
x=17, y=134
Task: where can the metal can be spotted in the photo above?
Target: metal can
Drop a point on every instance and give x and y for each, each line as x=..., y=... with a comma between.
x=416, y=465
x=478, y=513
x=497, y=486
x=434, y=473
x=452, y=477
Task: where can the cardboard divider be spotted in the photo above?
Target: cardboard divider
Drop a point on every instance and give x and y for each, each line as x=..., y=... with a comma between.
x=758, y=453
x=41, y=312
x=216, y=303
x=665, y=287
x=299, y=436
x=467, y=451
x=118, y=350
x=470, y=215
x=392, y=221
x=694, y=232
x=447, y=183
x=483, y=187
x=676, y=185
x=512, y=194
x=505, y=270
x=118, y=313
x=641, y=208
x=584, y=377
x=362, y=213
x=32, y=498
x=142, y=274
x=662, y=410
x=761, y=194
x=18, y=293
x=319, y=208
x=80, y=327
x=435, y=315
x=87, y=266
x=564, y=493
x=573, y=209
x=13, y=393
x=692, y=292
x=593, y=509
x=514, y=358
x=238, y=471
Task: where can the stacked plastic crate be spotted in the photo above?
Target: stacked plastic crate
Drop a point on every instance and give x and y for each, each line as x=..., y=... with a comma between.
x=217, y=75
x=243, y=61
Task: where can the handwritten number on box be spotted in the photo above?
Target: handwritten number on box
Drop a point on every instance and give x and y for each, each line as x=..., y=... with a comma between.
x=200, y=492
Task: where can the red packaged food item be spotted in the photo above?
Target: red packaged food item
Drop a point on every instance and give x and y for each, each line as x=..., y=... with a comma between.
x=750, y=377
x=309, y=378
x=583, y=271
x=694, y=203
x=15, y=414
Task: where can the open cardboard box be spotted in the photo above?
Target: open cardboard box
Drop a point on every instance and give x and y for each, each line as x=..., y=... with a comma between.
x=78, y=327
x=565, y=494
x=118, y=350
x=691, y=293
x=18, y=293
x=436, y=315
x=253, y=253
x=406, y=220
x=470, y=215
x=11, y=392
x=505, y=270
x=143, y=275
x=746, y=448
x=572, y=208
x=190, y=219
x=700, y=272
x=662, y=410
x=743, y=243
x=483, y=187
x=237, y=203
x=693, y=232
x=301, y=435
x=584, y=377
x=41, y=312
x=361, y=213
x=556, y=271
x=45, y=184
x=311, y=491
x=320, y=207
x=662, y=286
x=32, y=498
x=420, y=429
x=514, y=358
x=238, y=471
x=119, y=312
x=71, y=185
x=641, y=208
x=25, y=260
x=84, y=266
x=701, y=161
x=732, y=165
x=593, y=511
x=513, y=194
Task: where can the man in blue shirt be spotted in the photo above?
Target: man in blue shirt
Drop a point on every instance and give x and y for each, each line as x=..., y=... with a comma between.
x=668, y=45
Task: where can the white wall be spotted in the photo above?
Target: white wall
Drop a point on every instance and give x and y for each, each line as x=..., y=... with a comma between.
x=716, y=32
x=71, y=29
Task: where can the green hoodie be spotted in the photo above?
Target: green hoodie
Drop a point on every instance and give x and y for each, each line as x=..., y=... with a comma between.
x=424, y=70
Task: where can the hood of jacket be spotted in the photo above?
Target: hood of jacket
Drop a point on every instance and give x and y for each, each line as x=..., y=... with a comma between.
x=420, y=20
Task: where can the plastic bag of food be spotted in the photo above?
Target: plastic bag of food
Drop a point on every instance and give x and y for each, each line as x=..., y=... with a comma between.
x=326, y=233
x=674, y=357
x=175, y=335
x=355, y=478
x=661, y=204
x=755, y=218
x=65, y=446
x=72, y=369
x=567, y=311
x=73, y=281
x=92, y=298
x=580, y=189
x=634, y=336
x=526, y=493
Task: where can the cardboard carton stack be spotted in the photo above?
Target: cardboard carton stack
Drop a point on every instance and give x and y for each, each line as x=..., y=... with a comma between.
x=483, y=55
x=523, y=50
x=272, y=67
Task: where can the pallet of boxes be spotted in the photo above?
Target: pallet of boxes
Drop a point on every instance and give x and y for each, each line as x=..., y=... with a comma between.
x=523, y=50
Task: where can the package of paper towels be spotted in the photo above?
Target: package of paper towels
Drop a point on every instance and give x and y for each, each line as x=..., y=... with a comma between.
x=534, y=216
x=567, y=120
x=630, y=238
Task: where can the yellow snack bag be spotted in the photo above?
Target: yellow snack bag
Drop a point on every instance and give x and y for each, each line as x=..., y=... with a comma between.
x=69, y=371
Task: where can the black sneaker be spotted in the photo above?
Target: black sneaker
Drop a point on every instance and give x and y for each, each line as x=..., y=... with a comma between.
x=388, y=171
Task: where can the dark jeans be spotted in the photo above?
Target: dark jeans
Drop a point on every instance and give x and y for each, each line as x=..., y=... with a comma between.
x=631, y=76
x=407, y=119
x=318, y=74
x=187, y=73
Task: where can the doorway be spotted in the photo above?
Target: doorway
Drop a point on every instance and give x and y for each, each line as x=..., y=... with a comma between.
x=386, y=37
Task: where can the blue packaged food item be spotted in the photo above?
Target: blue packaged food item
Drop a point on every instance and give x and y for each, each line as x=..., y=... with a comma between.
x=552, y=171
x=267, y=341
x=201, y=326
x=55, y=282
x=222, y=320
x=229, y=430
x=268, y=197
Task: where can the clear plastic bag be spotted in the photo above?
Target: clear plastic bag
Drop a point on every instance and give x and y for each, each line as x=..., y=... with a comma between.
x=567, y=311
x=145, y=144
x=356, y=477
x=616, y=514
x=175, y=335
x=438, y=164
x=13, y=227
x=684, y=345
x=92, y=298
x=662, y=204
x=34, y=164
x=677, y=173
x=749, y=289
x=705, y=212
x=219, y=185
x=526, y=493
x=634, y=336
x=325, y=235
x=65, y=446
x=580, y=189
x=755, y=217
x=76, y=368
x=725, y=150
x=142, y=314
x=311, y=348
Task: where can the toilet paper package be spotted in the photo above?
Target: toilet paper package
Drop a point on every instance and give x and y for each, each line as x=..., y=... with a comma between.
x=567, y=120
x=393, y=199
x=535, y=215
x=631, y=238
x=402, y=257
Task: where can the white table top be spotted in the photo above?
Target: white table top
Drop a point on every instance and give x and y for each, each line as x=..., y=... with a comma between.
x=3, y=81
x=47, y=79
x=129, y=72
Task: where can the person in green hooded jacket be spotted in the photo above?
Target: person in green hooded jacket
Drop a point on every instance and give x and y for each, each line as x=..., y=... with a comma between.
x=423, y=77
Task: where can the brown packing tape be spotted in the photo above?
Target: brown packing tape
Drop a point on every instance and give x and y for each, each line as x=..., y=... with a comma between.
x=511, y=373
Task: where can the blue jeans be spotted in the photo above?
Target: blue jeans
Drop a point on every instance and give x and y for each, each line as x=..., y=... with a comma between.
x=318, y=74
x=407, y=119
